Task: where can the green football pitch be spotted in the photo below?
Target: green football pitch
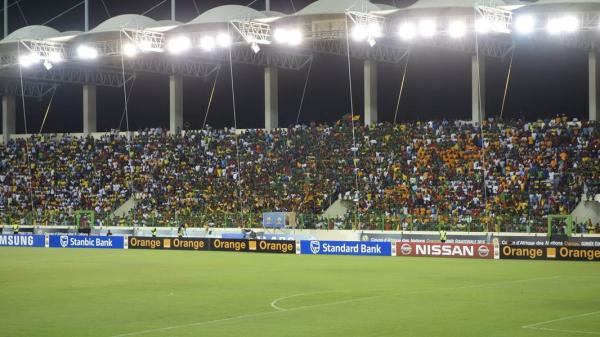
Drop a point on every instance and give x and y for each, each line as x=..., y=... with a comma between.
x=72, y=292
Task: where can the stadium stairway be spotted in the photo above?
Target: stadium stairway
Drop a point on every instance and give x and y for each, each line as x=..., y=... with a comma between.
x=338, y=209
x=587, y=209
x=124, y=209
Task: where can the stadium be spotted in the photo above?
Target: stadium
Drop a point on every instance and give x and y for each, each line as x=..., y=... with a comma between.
x=300, y=168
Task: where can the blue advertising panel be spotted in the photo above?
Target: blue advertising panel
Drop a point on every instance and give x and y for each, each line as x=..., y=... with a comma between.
x=68, y=241
x=274, y=220
x=22, y=240
x=346, y=248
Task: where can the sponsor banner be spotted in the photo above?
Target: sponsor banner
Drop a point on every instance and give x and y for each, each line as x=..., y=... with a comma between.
x=565, y=253
x=138, y=242
x=230, y=245
x=473, y=251
x=76, y=241
x=272, y=246
x=422, y=238
x=22, y=241
x=346, y=248
x=545, y=241
x=285, y=237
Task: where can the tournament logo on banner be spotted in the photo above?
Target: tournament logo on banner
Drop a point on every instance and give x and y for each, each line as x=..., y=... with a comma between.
x=22, y=241
x=346, y=248
x=104, y=242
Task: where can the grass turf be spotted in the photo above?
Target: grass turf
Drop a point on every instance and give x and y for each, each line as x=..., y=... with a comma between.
x=97, y=293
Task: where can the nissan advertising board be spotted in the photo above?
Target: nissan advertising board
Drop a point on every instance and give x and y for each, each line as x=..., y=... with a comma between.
x=473, y=251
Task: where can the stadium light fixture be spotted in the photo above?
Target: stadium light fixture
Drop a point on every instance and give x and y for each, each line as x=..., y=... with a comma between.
x=145, y=45
x=407, y=31
x=566, y=24
x=374, y=30
x=427, y=28
x=207, y=43
x=483, y=26
x=281, y=35
x=129, y=49
x=179, y=44
x=457, y=29
x=27, y=61
x=223, y=40
x=295, y=37
x=48, y=65
x=525, y=24
x=87, y=52
x=55, y=57
x=359, y=32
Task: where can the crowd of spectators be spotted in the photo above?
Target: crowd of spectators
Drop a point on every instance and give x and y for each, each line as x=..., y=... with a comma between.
x=436, y=170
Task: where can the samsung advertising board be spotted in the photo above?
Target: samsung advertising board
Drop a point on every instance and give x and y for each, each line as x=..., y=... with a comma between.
x=345, y=248
x=22, y=241
x=77, y=241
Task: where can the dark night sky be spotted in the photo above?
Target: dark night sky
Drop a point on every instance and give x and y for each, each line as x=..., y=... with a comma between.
x=547, y=80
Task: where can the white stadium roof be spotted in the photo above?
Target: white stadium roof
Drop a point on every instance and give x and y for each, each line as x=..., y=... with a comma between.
x=337, y=7
x=31, y=33
x=227, y=13
x=117, y=23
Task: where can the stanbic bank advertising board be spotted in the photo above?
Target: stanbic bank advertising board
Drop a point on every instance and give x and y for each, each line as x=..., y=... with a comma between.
x=77, y=241
x=346, y=248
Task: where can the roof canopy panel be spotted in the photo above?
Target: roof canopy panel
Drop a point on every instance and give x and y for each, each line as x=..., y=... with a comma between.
x=337, y=7
x=434, y=4
x=117, y=23
x=31, y=33
x=227, y=13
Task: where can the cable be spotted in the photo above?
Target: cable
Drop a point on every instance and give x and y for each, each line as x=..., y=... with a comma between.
x=47, y=110
x=22, y=14
x=401, y=87
x=304, y=91
x=154, y=7
x=26, y=131
x=508, y=76
x=124, y=86
x=105, y=8
x=354, y=148
x=63, y=13
x=126, y=103
x=252, y=3
x=196, y=6
x=210, y=99
x=237, y=147
x=293, y=6
x=10, y=5
x=480, y=105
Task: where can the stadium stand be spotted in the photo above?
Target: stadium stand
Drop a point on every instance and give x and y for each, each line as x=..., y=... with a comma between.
x=411, y=175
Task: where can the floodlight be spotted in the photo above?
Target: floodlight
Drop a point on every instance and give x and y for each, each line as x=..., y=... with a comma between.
x=482, y=26
x=255, y=48
x=374, y=30
x=179, y=44
x=87, y=52
x=145, y=45
x=457, y=29
x=281, y=35
x=224, y=40
x=129, y=49
x=427, y=27
x=48, y=65
x=371, y=41
x=294, y=37
x=407, y=31
x=525, y=24
x=27, y=61
x=207, y=43
x=359, y=32
x=570, y=24
x=55, y=57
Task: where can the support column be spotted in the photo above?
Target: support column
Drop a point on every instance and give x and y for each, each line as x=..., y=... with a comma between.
x=89, y=109
x=370, y=79
x=478, y=88
x=8, y=117
x=176, y=103
x=593, y=85
x=271, y=99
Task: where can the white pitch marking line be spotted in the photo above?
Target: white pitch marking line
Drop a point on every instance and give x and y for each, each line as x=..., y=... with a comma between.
x=568, y=331
x=267, y=313
x=277, y=300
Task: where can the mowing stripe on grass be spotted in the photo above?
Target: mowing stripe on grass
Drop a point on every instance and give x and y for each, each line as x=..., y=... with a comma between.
x=283, y=310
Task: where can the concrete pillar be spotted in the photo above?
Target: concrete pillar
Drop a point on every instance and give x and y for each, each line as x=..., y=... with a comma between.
x=478, y=88
x=89, y=109
x=175, y=103
x=593, y=85
x=8, y=117
x=370, y=79
x=271, y=99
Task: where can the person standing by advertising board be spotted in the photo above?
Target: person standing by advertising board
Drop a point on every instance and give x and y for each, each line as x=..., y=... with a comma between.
x=443, y=236
x=16, y=227
x=153, y=232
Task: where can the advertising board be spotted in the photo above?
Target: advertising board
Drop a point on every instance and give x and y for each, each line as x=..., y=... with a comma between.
x=564, y=253
x=22, y=240
x=473, y=251
x=76, y=241
x=346, y=248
